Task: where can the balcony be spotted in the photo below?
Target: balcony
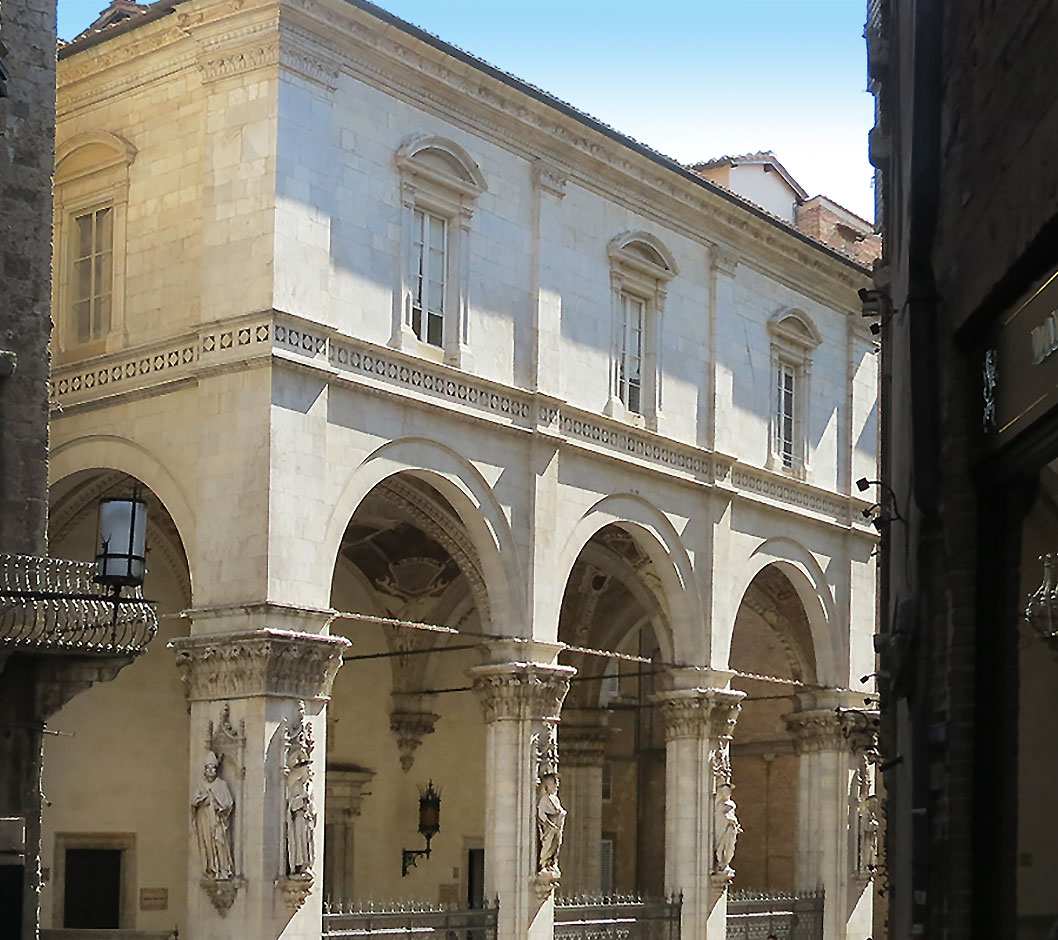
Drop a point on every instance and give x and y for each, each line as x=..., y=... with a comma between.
x=52, y=605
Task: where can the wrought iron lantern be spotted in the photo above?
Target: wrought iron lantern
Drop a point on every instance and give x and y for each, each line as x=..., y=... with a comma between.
x=121, y=559
x=1041, y=611
x=429, y=825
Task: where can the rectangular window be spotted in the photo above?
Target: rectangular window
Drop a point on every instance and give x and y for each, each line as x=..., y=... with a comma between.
x=429, y=267
x=93, y=888
x=607, y=779
x=91, y=273
x=630, y=353
x=786, y=415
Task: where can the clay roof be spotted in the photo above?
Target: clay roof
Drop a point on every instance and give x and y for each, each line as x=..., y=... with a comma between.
x=765, y=157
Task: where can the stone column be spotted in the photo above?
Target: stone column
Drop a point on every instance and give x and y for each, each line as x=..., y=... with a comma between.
x=583, y=749
x=345, y=793
x=698, y=728
x=834, y=809
x=258, y=715
x=520, y=702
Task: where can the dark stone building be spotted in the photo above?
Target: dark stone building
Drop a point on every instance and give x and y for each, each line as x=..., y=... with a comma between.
x=51, y=640
x=964, y=144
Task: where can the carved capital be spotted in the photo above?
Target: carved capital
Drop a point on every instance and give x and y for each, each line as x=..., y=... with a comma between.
x=700, y=713
x=583, y=746
x=853, y=730
x=410, y=728
x=260, y=662
x=520, y=691
x=345, y=790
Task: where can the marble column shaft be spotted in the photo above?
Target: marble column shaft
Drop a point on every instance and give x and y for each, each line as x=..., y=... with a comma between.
x=517, y=699
x=250, y=692
x=698, y=727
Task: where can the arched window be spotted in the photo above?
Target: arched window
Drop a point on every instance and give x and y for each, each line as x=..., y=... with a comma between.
x=91, y=194
x=439, y=185
x=640, y=269
x=793, y=338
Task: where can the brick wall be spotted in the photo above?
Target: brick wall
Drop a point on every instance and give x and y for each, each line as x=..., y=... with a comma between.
x=27, y=133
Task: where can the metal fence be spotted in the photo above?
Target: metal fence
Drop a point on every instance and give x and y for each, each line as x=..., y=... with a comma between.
x=622, y=917
x=53, y=603
x=754, y=916
x=394, y=921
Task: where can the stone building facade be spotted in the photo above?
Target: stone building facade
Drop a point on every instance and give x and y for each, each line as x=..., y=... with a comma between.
x=968, y=195
x=551, y=441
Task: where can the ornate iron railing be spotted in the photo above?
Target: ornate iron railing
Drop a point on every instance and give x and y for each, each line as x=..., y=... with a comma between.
x=53, y=604
x=755, y=916
x=620, y=917
x=400, y=919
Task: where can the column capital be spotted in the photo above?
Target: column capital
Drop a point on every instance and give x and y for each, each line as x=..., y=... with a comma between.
x=520, y=691
x=583, y=745
x=854, y=730
x=700, y=713
x=275, y=663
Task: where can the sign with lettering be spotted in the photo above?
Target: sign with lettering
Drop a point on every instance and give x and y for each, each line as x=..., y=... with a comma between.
x=154, y=899
x=1019, y=374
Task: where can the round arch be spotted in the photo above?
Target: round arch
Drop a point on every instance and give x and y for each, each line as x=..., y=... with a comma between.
x=809, y=581
x=658, y=538
x=469, y=494
x=112, y=452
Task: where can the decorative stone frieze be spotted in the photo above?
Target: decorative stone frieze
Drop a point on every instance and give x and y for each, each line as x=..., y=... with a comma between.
x=521, y=691
x=410, y=728
x=550, y=178
x=700, y=713
x=834, y=729
x=260, y=662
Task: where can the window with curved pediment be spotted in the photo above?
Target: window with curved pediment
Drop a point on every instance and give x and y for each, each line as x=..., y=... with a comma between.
x=439, y=186
x=793, y=338
x=91, y=194
x=640, y=269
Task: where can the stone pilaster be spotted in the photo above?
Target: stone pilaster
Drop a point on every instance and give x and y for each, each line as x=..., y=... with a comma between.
x=583, y=749
x=699, y=724
x=833, y=742
x=258, y=714
x=520, y=702
x=345, y=794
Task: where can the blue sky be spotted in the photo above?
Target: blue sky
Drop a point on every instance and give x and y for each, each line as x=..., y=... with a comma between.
x=692, y=78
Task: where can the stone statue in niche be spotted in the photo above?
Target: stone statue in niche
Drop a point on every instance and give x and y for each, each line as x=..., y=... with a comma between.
x=300, y=810
x=868, y=836
x=211, y=809
x=725, y=827
x=550, y=821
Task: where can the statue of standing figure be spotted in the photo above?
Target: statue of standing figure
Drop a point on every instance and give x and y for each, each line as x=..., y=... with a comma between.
x=211, y=808
x=725, y=827
x=300, y=820
x=550, y=821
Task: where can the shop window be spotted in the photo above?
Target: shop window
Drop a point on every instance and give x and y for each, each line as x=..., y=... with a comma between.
x=640, y=269
x=440, y=184
x=91, y=195
x=793, y=338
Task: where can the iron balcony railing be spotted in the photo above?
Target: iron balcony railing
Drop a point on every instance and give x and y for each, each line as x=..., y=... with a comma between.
x=52, y=604
x=408, y=919
x=618, y=917
x=756, y=916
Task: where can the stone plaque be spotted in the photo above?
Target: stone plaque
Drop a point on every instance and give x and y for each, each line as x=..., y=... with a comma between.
x=154, y=899
x=448, y=894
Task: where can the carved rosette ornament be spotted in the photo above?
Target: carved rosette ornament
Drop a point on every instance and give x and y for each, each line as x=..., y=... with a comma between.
x=259, y=662
x=410, y=728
